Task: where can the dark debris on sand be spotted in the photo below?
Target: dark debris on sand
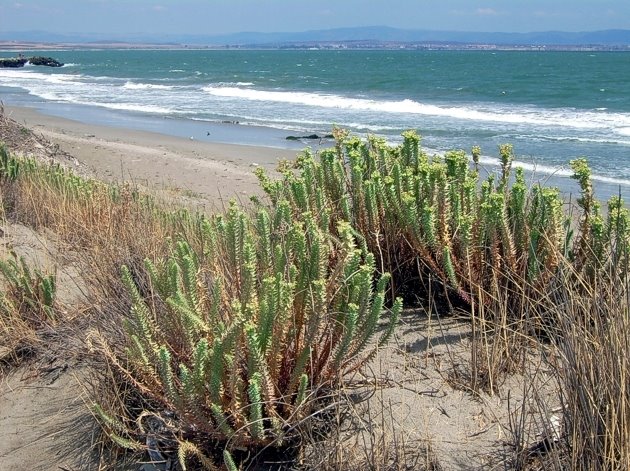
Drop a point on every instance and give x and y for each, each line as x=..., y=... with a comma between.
x=19, y=139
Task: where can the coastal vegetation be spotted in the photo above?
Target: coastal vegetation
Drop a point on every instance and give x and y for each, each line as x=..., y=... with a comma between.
x=224, y=337
x=26, y=304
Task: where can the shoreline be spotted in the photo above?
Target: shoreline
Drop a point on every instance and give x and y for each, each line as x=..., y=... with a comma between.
x=220, y=132
x=215, y=161
x=214, y=171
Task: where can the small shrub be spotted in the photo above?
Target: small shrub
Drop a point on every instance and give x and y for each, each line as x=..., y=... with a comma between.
x=27, y=303
x=237, y=341
x=477, y=237
x=432, y=213
x=9, y=166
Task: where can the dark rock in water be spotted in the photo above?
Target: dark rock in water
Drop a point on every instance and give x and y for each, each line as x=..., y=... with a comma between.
x=12, y=63
x=37, y=60
x=310, y=136
x=47, y=61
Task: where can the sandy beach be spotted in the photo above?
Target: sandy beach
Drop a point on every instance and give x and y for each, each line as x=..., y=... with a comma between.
x=213, y=171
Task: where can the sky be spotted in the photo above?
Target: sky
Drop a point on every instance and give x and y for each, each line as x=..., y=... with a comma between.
x=118, y=17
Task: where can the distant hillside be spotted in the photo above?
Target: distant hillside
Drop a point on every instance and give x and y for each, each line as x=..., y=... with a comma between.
x=382, y=33
x=371, y=33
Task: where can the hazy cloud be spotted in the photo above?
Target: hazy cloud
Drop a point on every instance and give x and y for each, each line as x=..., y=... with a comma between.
x=33, y=8
x=486, y=12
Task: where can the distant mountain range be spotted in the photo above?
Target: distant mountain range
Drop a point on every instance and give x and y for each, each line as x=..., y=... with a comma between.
x=375, y=34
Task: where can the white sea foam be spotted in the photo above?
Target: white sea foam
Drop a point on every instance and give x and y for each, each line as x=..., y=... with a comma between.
x=139, y=107
x=146, y=86
x=306, y=125
x=21, y=77
x=143, y=108
x=559, y=171
x=594, y=140
x=231, y=84
x=530, y=116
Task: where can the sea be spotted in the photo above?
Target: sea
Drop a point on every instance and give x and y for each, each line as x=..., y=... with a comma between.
x=552, y=106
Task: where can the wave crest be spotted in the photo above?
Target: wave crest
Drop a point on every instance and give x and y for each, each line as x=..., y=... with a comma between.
x=532, y=116
x=146, y=86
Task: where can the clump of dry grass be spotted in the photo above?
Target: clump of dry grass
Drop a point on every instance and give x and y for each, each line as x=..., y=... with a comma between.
x=591, y=368
x=585, y=423
x=106, y=226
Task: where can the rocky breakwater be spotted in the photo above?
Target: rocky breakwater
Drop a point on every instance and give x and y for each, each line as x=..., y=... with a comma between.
x=12, y=63
x=21, y=61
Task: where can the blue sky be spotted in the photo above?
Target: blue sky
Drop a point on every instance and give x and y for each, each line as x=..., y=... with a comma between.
x=226, y=16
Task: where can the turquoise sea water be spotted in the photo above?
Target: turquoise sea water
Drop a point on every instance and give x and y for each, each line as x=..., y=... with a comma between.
x=552, y=106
